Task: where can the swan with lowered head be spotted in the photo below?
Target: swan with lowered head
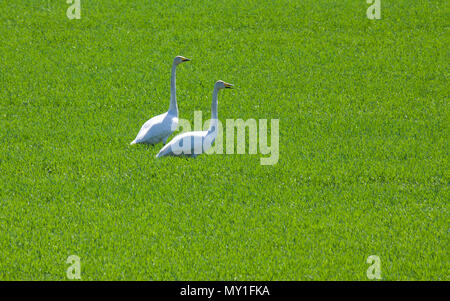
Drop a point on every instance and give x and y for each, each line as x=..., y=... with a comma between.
x=195, y=143
x=159, y=128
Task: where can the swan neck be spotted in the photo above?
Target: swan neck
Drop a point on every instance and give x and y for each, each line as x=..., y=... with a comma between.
x=173, y=109
x=214, y=113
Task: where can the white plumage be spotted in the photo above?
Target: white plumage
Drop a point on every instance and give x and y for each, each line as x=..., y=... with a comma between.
x=159, y=128
x=192, y=144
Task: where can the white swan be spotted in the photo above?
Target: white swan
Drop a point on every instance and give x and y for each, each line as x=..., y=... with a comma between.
x=159, y=128
x=195, y=143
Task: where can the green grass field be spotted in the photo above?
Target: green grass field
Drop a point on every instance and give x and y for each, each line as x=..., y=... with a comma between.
x=364, y=128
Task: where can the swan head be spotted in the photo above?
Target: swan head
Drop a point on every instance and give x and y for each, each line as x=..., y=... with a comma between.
x=220, y=84
x=180, y=59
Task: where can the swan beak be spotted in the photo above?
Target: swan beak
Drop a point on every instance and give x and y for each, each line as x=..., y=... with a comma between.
x=228, y=86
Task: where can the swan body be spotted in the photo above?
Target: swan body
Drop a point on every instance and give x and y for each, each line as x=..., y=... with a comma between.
x=192, y=144
x=159, y=128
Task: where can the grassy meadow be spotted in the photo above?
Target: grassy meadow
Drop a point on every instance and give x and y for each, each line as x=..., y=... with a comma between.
x=363, y=140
